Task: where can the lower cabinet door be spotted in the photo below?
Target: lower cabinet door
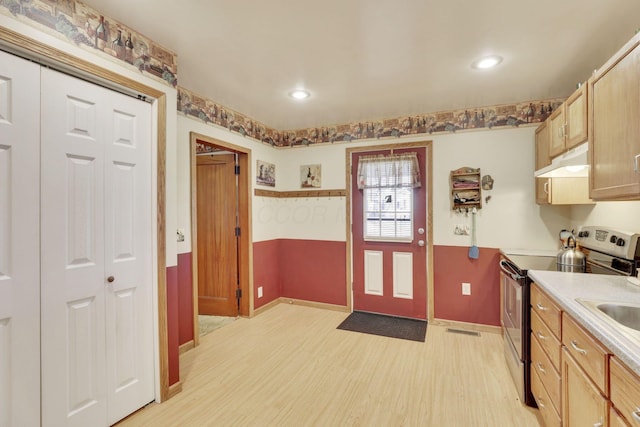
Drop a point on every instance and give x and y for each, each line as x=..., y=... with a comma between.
x=583, y=405
x=615, y=419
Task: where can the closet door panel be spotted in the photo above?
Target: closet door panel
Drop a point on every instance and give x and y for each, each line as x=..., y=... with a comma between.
x=129, y=314
x=97, y=228
x=19, y=242
x=73, y=280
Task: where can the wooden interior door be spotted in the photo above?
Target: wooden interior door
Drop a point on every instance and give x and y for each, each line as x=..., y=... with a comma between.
x=217, y=213
x=19, y=242
x=390, y=277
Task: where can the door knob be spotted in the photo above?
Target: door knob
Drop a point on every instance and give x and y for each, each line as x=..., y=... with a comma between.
x=110, y=279
x=420, y=243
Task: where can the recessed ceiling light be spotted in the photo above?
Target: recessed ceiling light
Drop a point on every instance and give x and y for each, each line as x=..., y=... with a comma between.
x=299, y=94
x=487, y=62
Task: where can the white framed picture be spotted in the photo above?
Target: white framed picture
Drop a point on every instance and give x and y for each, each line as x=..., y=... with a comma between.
x=311, y=176
x=265, y=173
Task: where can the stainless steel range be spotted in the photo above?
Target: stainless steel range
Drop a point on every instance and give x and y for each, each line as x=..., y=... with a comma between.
x=610, y=251
x=607, y=251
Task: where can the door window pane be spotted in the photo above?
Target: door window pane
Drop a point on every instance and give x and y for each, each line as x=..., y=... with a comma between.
x=388, y=214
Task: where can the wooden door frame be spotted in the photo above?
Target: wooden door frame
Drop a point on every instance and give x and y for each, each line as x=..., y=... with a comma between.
x=245, y=250
x=428, y=164
x=24, y=46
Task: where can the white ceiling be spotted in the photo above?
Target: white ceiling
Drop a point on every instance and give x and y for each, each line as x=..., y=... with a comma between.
x=364, y=60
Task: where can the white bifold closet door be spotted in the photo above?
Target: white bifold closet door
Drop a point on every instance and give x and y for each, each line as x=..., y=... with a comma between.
x=96, y=285
x=19, y=242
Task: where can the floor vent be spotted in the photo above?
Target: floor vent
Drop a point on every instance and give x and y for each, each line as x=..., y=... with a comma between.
x=463, y=332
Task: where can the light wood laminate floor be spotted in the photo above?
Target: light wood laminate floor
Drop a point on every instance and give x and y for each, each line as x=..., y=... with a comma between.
x=290, y=366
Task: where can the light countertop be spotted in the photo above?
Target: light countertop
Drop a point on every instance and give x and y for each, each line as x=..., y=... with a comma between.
x=566, y=288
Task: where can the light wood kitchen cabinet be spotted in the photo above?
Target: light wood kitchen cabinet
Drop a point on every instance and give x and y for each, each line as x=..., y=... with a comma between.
x=576, y=118
x=557, y=191
x=557, y=132
x=549, y=414
x=563, y=191
x=543, y=368
x=614, y=128
x=546, y=309
x=568, y=124
x=625, y=392
x=542, y=145
x=545, y=356
x=615, y=419
x=588, y=352
x=549, y=342
x=583, y=405
x=543, y=195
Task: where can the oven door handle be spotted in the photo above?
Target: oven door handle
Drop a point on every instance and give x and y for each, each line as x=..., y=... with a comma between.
x=511, y=270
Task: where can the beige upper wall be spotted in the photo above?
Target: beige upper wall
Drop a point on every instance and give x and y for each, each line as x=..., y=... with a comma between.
x=507, y=155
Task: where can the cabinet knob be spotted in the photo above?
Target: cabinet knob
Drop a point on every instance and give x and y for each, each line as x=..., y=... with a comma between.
x=110, y=279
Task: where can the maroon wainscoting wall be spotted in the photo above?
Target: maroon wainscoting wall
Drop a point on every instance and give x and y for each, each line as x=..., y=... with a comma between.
x=452, y=266
x=185, y=298
x=310, y=270
x=172, y=324
x=266, y=272
x=313, y=270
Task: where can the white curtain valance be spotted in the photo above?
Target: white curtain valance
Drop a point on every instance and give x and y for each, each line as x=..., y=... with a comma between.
x=385, y=171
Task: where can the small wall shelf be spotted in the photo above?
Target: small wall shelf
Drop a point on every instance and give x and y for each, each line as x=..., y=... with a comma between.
x=300, y=194
x=466, y=190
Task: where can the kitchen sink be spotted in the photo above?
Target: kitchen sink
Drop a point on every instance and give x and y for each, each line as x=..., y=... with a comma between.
x=624, y=317
x=627, y=315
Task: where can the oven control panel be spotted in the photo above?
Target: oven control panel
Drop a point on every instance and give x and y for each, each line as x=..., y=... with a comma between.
x=617, y=243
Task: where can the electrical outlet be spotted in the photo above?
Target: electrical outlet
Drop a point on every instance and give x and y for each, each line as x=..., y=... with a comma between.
x=466, y=288
x=180, y=234
x=259, y=291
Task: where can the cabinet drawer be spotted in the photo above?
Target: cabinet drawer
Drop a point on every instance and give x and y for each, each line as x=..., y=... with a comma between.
x=625, y=392
x=549, y=376
x=548, y=412
x=546, y=339
x=548, y=311
x=587, y=352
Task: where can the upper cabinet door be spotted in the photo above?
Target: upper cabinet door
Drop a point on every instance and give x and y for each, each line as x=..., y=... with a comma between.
x=557, y=132
x=614, y=139
x=576, y=118
x=542, y=145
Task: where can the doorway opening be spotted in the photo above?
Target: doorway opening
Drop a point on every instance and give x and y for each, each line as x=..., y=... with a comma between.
x=220, y=229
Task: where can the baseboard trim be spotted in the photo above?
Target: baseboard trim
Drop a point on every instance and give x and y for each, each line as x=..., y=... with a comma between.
x=174, y=389
x=304, y=303
x=266, y=307
x=189, y=345
x=467, y=326
x=314, y=304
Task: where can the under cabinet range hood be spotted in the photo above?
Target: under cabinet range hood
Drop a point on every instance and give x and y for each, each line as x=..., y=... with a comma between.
x=573, y=163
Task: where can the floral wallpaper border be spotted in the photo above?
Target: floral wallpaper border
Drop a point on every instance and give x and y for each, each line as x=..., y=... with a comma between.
x=491, y=117
x=77, y=23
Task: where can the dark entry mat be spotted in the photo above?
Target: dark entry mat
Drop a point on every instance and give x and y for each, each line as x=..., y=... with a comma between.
x=386, y=326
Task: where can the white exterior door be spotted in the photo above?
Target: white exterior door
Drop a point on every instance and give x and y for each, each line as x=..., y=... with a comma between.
x=97, y=326
x=19, y=242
